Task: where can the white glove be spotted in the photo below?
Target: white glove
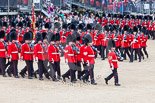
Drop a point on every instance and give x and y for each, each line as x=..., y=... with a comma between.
x=66, y=61
x=112, y=67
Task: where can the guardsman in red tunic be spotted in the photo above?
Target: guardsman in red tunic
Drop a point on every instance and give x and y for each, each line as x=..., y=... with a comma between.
x=60, y=48
x=125, y=43
x=63, y=35
x=78, y=56
x=90, y=58
x=20, y=32
x=39, y=50
x=117, y=38
x=3, y=50
x=27, y=54
x=113, y=59
x=53, y=53
x=104, y=40
x=70, y=59
x=97, y=38
x=13, y=51
x=135, y=39
x=144, y=41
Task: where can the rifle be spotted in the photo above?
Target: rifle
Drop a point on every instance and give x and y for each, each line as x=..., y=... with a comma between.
x=18, y=46
x=75, y=48
x=119, y=55
x=95, y=49
x=5, y=45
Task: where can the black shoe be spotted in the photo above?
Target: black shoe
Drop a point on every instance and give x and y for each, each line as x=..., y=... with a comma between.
x=103, y=59
x=22, y=74
x=106, y=81
x=88, y=81
x=30, y=77
x=147, y=56
x=93, y=83
x=63, y=78
x=84, y=81
x=143, y=57
x=73, y=81
x=9, y=74
x=16, y=76
x=55, y=80
x=68, y=77
x=59, y=78
x=35, y=75
x=130, y=61
x=79, y=78
x=117, y=84
x=139, y=60
x=41, y=79
x=4, y=75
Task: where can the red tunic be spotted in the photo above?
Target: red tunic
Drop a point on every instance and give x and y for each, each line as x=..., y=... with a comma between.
x=13, y=51
x=26, y=52
x=136, y=44
x=2, y=50
x=113, y=59
x=90, y=55
x=125, y=40
x=39, y=52
x=96, y=39
x=53, y=53
x=69, y=54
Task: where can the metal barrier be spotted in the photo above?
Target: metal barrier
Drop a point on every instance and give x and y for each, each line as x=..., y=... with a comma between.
x=117, y=6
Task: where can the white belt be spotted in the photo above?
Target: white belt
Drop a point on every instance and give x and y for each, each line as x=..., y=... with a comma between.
x=91, y=55
x=55, y=53
x=65, y=51
x=70, y=54
x=40, y=52
x=28, y=52
x=114, y=60
x=2, y=49
x=15, y=52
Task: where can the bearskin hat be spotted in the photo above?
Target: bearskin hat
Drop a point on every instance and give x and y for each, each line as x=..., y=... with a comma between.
x=78, y=37
x=81, y=26
x=125, y=28
x=13, y=35
x=98, y=27
x=139, y=27
x=73, y=27
x=57, y=36
x=111, y=43
x=64, y=26
x=89, y=26
x=57, y=25
x=51, y=37
x=27, y=36
x=47, y=25
x=106, y=28
x=2, y=34
x=69, y=38
x=20, y=24
x=5, y=24
x=38, y=37
x=87, y=39
x=44, y=35
x=135, y=29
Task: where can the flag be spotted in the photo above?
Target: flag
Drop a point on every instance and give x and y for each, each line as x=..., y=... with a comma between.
x=33, y=22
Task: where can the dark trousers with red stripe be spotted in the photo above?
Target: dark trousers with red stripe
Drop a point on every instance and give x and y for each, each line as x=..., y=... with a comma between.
x=113, y=74
x=85, y=70
x=14, y=65
x=57, y=68
x=103, y=48
x=78, y=68
x=70, y=72
x=52, y=71
x=136, y=52
x=3, y=65
x=124, y=51
x=29, y=67
x=90, y=73
x=41, y=67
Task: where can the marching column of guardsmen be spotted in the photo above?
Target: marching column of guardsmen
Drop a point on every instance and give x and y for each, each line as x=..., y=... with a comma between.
x=79, y=44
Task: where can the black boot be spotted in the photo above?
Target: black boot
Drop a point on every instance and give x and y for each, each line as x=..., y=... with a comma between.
x=22, y=75
x=106, y=81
